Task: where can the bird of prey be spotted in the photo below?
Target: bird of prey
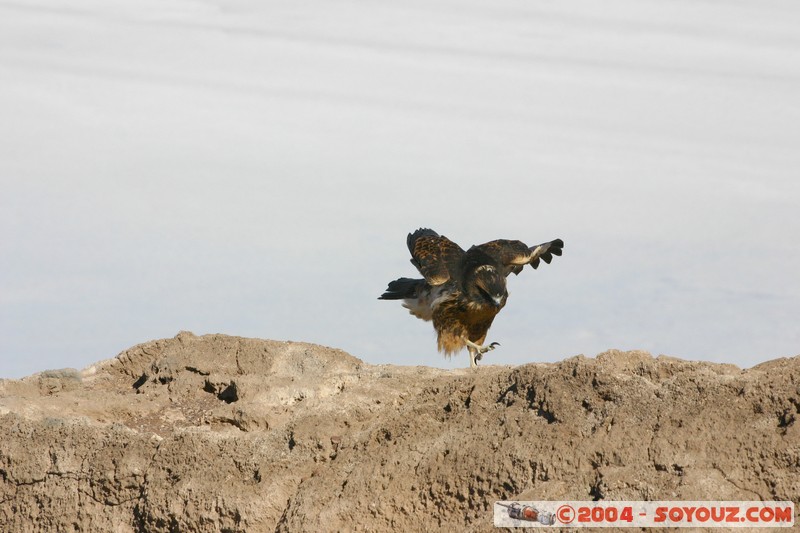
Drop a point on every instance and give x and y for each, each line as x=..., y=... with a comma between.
x=462, y=292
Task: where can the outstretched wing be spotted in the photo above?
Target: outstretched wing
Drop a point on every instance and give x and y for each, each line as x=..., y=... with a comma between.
x=436, y=257
x=514, y=255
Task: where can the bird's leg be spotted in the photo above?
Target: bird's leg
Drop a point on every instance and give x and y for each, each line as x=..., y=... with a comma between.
x=472, y=357
x=476, y=351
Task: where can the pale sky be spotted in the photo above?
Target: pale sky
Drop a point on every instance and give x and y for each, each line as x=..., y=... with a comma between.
x=252, y=168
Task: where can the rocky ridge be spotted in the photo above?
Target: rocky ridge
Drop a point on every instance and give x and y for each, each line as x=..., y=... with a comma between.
x=226, y=434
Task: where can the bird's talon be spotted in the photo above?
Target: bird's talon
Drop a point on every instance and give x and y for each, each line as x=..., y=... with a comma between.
x=489, y=348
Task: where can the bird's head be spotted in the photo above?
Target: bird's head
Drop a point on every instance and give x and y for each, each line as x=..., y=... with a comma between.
x=488, y=287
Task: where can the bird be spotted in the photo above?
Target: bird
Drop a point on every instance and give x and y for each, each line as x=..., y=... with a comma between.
x=462, y=291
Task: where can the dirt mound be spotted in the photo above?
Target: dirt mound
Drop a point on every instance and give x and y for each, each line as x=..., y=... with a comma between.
x=219, y=433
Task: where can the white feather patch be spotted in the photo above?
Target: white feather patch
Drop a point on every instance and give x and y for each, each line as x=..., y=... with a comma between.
x=422, y=307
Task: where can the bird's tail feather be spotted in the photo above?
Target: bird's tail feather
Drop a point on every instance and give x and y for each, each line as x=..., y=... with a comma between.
x=402, y=288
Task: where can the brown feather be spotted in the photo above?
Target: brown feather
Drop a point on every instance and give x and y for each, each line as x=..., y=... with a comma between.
x=434, y=257
x=454, y=321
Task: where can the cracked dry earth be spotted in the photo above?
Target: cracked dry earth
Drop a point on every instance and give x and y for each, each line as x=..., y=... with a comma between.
x=226, y=434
